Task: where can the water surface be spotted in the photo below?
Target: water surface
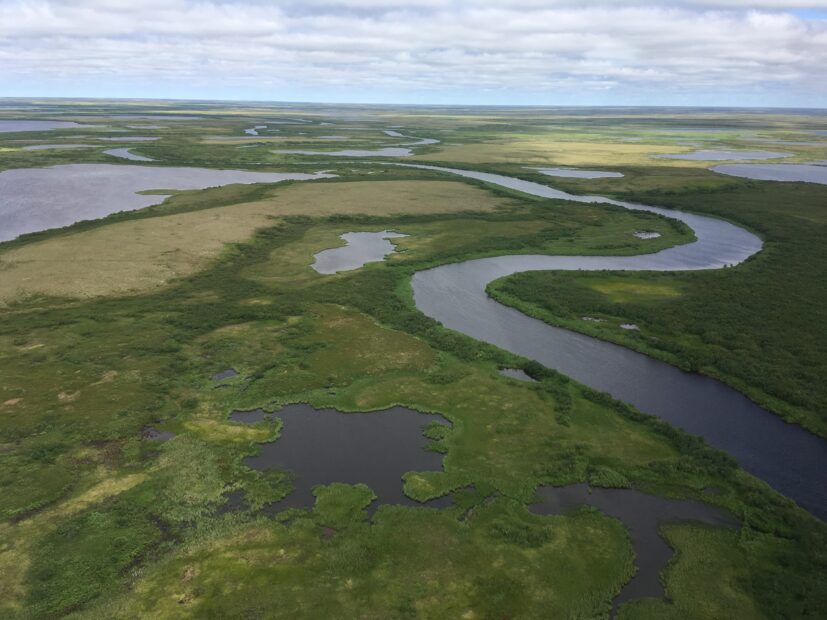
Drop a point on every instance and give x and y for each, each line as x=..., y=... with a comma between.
x=44, y=147
x=578, y=174
x=789, y=458
x=516, y=373
x=35, y=199
x=808, y=173
x=125, y=153
x=322, y=446
x=10, y=126
x=642, y=515
x=361, y=248
x=717, y=155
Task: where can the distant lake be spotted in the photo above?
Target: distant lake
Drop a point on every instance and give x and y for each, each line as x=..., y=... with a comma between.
x=12, y=126
x=35, y=199
x=578, y=174
x=715, y=155
x=808, y=173
x=125, y=153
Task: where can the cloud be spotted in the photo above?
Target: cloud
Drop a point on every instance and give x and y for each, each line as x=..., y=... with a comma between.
x=418, y=46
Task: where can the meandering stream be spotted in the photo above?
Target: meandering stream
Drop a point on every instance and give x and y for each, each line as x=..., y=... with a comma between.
x=789, y=458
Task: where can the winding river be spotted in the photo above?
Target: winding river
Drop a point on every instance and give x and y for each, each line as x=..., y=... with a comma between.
x=787, y=457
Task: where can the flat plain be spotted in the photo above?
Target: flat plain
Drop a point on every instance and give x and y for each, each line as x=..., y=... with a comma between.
x=113, y=330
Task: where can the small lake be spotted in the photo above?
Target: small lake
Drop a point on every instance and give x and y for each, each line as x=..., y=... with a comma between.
x=8, y=126
x=642, y=515
x=578, y=174
x=125, y=153
x=361, y=248
x=253, y=131
x=35, y=199
x=322, y=446
x=808, y=173
x=716, y=155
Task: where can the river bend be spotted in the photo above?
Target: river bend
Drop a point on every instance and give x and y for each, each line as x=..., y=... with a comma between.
x=786, y=456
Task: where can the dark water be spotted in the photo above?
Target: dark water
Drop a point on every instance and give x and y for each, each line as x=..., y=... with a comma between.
x=153, y=434
x=715, y=155
x=325, y=446
x=578, y=174
x=35, y=199
x=809, y=173
x=790, y=459
x=361, y=248
x=642, y=514
x=516, y=373
x=224, y=374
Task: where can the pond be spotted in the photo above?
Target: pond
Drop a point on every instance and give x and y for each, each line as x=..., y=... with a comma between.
x=808, y=173
x=35, y=199
x=322, y=446
x=361, y=248
x=642, y=515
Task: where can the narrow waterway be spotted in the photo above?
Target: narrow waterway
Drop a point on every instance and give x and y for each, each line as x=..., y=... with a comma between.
x=787, y=457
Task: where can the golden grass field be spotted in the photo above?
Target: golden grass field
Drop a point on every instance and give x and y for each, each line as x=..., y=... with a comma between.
x=139, y=255
x=549, y=151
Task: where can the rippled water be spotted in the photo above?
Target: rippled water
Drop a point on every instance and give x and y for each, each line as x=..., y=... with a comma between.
x=34, y=199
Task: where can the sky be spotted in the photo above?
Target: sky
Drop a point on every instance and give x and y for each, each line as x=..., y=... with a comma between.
x=492, y=52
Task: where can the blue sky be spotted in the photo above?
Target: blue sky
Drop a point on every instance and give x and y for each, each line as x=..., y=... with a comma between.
x=553, y=52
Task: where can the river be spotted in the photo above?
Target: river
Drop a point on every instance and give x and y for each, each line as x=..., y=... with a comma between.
x=786, y=456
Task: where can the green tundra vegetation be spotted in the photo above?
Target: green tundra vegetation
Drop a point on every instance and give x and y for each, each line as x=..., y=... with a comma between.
x=101, y=521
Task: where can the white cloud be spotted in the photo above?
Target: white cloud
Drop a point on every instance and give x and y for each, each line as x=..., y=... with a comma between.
x=420, y=45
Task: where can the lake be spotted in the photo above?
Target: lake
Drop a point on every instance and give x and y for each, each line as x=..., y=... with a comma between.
x=35, y=199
